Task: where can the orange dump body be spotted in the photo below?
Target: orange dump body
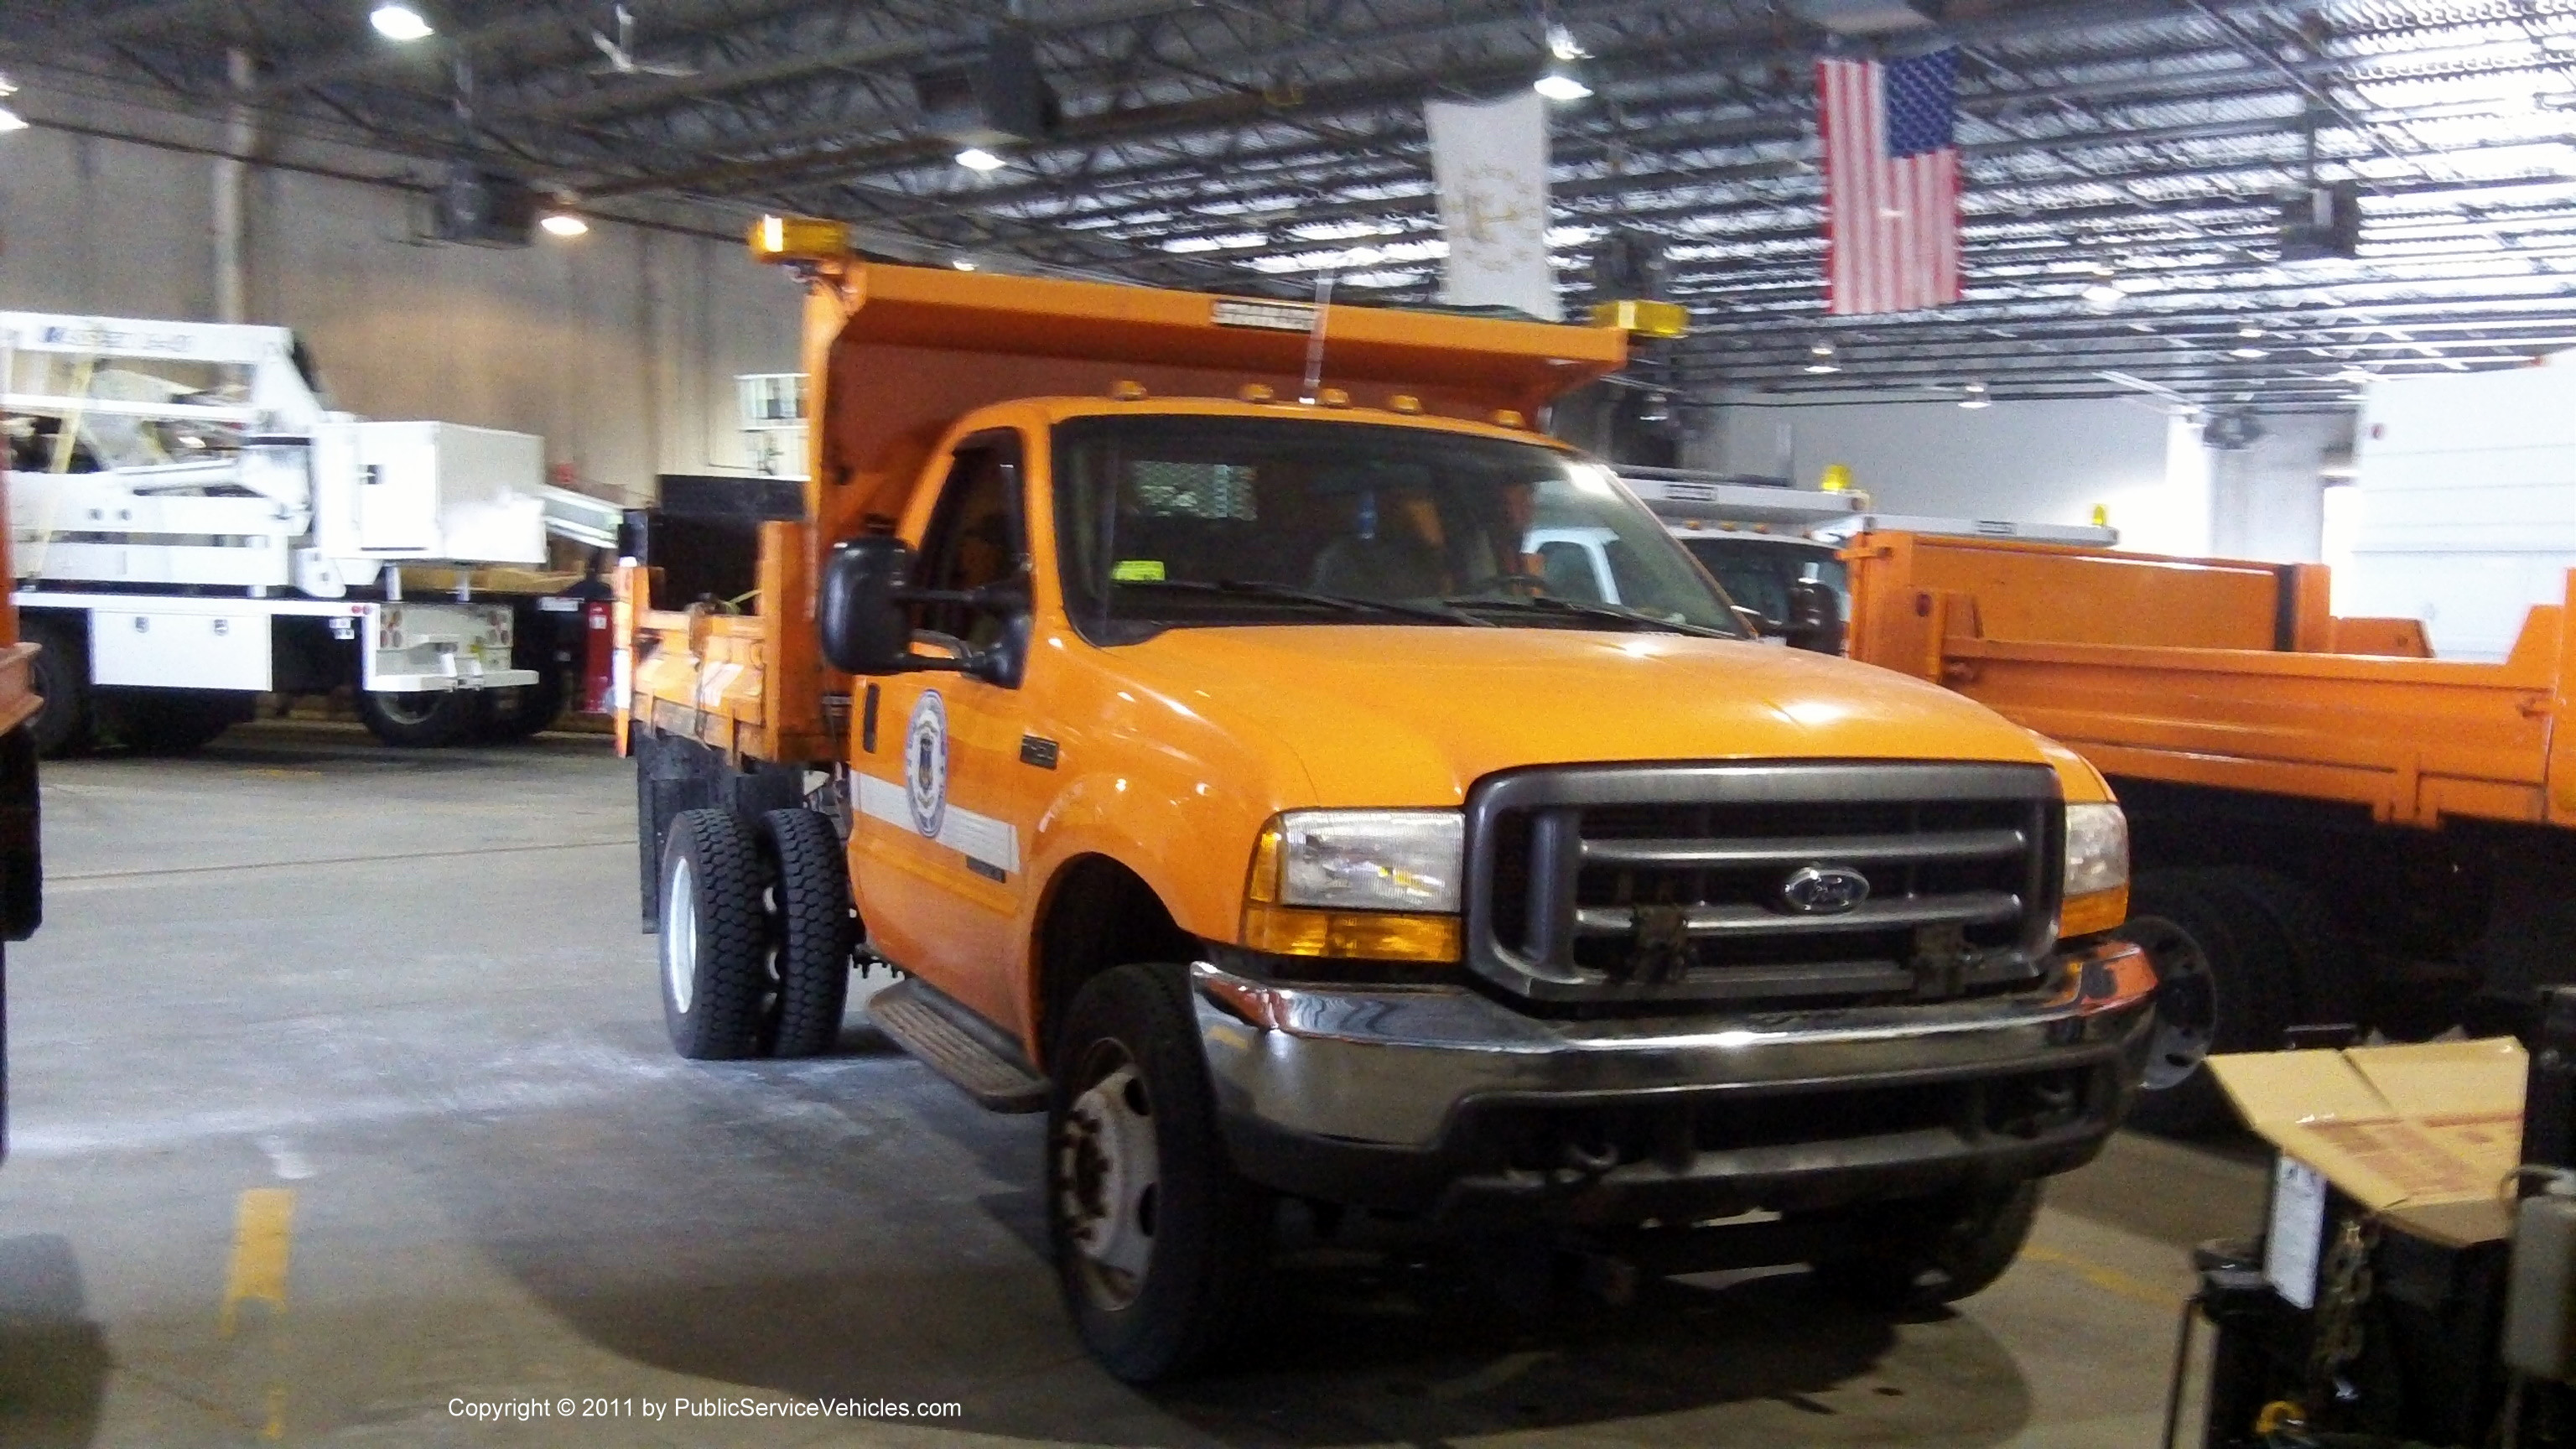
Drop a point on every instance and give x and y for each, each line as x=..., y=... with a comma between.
x=904, y=355
x=2224, y=673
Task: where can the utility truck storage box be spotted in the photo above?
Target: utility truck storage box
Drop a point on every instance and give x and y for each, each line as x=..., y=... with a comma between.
x=431, y=491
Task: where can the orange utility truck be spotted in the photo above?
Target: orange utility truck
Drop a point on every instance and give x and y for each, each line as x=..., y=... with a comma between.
x=1164, y=683
x=2329, y=825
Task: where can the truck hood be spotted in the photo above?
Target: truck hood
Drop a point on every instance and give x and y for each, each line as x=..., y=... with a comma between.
x=1413, y=716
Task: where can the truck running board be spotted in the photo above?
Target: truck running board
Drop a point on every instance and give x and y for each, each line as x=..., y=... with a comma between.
x=951, y=1041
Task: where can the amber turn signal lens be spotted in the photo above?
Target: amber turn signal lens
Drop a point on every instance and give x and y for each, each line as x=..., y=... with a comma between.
x=2090, y=915
x=1350, y=935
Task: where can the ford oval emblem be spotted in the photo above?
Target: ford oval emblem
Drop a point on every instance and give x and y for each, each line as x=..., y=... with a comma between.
x=1824, y=890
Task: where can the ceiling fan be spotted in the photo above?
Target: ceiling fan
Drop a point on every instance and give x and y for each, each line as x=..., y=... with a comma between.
x=621, y=52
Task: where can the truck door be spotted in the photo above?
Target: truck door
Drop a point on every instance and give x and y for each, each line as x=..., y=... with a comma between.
x=939, y=815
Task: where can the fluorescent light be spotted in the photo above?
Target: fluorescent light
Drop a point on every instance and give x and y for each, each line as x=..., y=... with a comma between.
x=2103, y=296
x=2249, y=331
x=1976, y=397
x=11, y=121
x=2250, y=354
x=1821, y=368
x=563, y=223
x=395, y=21
x=976, y=158
x=1560, y=83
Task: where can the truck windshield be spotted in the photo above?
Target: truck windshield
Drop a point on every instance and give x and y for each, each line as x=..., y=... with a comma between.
x=1179, y=521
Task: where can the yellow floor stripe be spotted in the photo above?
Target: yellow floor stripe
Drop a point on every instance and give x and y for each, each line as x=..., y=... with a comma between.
x=262, y=1226
x=2109, y=1280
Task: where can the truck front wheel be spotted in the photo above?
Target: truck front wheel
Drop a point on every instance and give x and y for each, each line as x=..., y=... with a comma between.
x=2222, y=978
x=1159, y=1243
x=62, y=725
x=1922, y=1253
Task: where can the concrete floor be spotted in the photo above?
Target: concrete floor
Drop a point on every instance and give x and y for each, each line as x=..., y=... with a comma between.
x=342, y=1105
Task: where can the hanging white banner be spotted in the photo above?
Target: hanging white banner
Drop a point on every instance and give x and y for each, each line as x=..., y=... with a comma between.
x=1490, y=162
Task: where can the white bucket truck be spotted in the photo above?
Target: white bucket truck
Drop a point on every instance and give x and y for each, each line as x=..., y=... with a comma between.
x=193, y=528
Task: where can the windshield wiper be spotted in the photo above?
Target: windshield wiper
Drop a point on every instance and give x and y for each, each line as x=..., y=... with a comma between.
x=1619, y=613
x=1263, y=588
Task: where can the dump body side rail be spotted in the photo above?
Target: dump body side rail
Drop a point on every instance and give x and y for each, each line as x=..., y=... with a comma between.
x=2225, y=674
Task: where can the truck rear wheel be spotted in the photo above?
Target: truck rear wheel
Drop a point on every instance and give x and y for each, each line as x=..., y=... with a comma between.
x=718, y=992
x=814, y=928
x=62, y=724
x=1159, y=1243
x=1924, y=1252
x=424, y=720
x=512, y=715
x=2222, y=972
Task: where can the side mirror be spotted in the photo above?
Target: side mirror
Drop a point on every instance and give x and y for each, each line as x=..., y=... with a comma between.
x=865, y=628
x=1815, y=618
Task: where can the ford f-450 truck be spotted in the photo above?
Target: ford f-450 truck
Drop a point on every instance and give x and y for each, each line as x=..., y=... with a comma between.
x=1195, y=730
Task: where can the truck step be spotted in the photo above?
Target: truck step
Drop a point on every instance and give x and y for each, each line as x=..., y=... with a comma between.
x=951, y=1042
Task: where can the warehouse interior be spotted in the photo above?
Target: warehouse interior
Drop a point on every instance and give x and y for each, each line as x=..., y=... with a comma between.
x=487, y=476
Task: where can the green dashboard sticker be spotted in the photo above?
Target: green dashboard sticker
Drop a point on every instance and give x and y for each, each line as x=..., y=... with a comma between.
x=1137, y=571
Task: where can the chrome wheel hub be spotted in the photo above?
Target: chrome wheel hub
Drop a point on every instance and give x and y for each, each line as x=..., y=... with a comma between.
x=2186, y=1001
x=1108, y=1176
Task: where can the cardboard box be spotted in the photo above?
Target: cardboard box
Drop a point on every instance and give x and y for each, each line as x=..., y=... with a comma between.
x=2422, y=1134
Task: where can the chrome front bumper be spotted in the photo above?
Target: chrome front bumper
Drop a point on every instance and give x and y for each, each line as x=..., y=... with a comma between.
x=1330, y=1088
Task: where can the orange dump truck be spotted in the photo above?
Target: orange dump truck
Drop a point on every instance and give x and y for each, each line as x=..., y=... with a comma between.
x=1226, y=784
x=2329, y=825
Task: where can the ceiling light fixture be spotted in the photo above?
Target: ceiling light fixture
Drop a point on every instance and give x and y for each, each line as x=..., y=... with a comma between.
x=1823, y=353
x=1560, y=83
x=9, y=120
x=2103, y=296
x=1562, y=80
x=961, y=264
x=396, y=21
x=1976, y=397
x=976, y=158
x=564, y=222
x=2249, y=354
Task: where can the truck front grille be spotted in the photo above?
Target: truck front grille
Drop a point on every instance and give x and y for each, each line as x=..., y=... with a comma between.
x=1675, y=883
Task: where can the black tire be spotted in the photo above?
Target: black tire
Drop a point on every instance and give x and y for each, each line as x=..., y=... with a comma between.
x=512, y=715
x=1924, y=1252
x=62, y=724
x=718, y=996
x=1158, y=1280
x=2223, y=972
x=422, y=721
x=167, y=722
x=814, y=927
x=2326, y=975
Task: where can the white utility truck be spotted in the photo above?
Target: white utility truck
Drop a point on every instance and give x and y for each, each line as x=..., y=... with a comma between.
x=193, y=527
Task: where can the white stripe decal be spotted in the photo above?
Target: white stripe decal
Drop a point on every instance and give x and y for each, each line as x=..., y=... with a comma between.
x=978, y=837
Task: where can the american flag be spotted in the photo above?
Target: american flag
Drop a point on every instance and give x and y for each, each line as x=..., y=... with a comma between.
x=1891, y=182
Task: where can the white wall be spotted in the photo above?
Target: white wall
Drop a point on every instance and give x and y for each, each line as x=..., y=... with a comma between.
x=619, y=348
x=2268, y=501
x=2030, y=462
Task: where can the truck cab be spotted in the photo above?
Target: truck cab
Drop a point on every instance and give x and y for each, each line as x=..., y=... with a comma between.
x=1211, y=750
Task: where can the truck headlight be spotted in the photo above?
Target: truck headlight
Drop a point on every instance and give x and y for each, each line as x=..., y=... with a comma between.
x=2096, y=895
x=1379, y=884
